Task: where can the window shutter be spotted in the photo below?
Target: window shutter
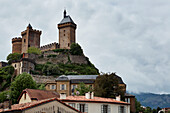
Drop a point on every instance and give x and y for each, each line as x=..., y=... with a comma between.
x=101, y=108
x=78, y=107
x=86, y=108
x=64, y=86
x=108, y=108
x=124, y=109
x=54, y=86
x=60, y=87
x=119, y=109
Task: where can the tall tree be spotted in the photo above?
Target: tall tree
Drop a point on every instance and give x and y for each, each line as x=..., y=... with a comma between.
x=107, y=85
x=76, y=49
x=20, y=83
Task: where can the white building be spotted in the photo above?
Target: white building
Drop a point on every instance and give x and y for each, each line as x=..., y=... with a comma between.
x=90, y=104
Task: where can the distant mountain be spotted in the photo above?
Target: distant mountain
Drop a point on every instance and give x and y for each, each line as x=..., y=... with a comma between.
x=153, y=100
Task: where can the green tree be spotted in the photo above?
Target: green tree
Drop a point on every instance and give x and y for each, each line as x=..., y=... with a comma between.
x=5, y=77
x=20, y=83
x=107, y=85
x=13, y=57
x=138, y=106
x=82, y=88
x=76, y=49
x=34, y=50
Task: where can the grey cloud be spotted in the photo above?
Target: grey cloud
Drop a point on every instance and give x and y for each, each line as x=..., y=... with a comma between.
x=129, y=37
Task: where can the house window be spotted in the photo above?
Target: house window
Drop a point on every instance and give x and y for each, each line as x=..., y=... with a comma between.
x=122, y=109
x=63, y=87
x=72, y=104
x=82, y=107
x=74, y=86
x=53, y=87
x=105, y=109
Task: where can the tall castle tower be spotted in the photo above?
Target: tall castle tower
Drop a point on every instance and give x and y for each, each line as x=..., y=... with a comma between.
x=30, y=38
x=67, y=29
x=17, y=45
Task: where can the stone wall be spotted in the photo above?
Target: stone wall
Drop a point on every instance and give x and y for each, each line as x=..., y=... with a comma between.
x=61, y=58
x=42, y=79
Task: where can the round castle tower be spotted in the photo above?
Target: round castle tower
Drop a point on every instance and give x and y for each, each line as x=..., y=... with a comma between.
x=16, y=45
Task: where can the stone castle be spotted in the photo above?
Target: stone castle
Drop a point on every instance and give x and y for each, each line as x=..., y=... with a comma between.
x=31, y=37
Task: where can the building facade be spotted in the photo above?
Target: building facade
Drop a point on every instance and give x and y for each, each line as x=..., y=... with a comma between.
x=87, y=104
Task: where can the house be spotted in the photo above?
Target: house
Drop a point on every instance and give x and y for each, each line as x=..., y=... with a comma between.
x=68, y=84
x=130, y=99
x=52, y=105
x=91, y=104
x=31, y=95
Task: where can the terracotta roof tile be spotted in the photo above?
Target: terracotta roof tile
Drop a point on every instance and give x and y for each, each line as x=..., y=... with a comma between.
x=23, y=106
x=95, y=100
x=39, y=94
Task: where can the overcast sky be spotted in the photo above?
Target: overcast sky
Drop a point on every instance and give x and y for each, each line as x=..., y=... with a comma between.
x=129, y=37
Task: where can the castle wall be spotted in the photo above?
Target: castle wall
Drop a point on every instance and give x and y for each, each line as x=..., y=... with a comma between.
x=49, y=47
x=16, y=45
x=61, y=58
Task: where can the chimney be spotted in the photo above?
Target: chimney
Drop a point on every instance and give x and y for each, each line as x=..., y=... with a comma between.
x=87, y=95
x=92, y=95
x=118, y=98
x=62, y=96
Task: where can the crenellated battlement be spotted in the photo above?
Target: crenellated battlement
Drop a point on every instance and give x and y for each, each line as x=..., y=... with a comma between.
x=48, y=47
x=33, y=30
x=16, y=39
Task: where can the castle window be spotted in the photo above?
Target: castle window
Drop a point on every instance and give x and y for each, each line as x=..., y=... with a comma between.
x=64, y=34
x=24, y=40
x=68, y=44
x=15, y=65
x=64, y=30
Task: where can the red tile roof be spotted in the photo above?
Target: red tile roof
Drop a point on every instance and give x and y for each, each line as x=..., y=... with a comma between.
x=39, y=94
x=23, y=106
x=94, y=100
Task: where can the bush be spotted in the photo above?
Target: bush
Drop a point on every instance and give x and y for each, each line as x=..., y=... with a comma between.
x=59, y=50
x=34, y=50
x=3, y=96
x=75, y=49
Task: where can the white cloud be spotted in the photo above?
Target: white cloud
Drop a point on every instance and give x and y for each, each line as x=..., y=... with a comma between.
x=129, y=37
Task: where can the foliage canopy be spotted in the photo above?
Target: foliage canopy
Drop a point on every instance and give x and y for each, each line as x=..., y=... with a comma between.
x=20, y=83
x=13, y=57
x=107, y=85
x=82, y=88
x=76, y=49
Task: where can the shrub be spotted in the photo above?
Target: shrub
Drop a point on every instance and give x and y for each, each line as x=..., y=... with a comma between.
x=52, y=55
x=75, y=49
x=34, y=50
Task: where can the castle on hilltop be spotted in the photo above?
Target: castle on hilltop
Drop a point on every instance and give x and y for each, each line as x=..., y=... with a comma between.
x=31, y=37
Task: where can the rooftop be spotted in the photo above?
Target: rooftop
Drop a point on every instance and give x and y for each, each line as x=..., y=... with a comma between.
x=77, y=77
x=94, y=100
x=23, y=106
x=37, y=94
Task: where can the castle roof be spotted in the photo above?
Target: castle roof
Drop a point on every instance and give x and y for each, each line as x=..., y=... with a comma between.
x=67, y=19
